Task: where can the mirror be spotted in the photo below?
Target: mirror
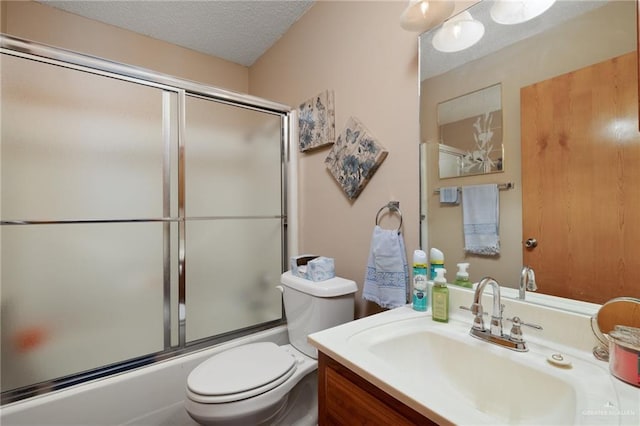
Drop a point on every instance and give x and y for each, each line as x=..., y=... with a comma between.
x=470, y=134
x=571, y=35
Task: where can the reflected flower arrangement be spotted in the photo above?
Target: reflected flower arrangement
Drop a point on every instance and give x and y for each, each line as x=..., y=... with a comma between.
x=479, y=160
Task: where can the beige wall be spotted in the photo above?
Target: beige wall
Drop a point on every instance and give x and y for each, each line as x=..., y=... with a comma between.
x=355, y=48
x=609, y=32
x=358, y=50
x=44, y=24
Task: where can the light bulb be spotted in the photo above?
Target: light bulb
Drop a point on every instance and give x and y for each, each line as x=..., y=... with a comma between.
x=422, y=15
x=456, y=30
x=510, y=12
x=424, y=7
x=458, y=33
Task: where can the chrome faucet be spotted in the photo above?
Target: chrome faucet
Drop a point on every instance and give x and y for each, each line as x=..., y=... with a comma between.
x=527, y=281
x=494, y=334
x=476, y=307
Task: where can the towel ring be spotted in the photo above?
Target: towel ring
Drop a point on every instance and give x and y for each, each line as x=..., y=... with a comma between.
x=394, y=207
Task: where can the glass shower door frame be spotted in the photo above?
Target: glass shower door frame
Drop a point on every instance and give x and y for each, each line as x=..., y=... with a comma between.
x=174, y=93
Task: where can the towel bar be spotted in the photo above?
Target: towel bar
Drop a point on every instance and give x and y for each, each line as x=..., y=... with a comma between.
x=507, y=185
x=394, y=207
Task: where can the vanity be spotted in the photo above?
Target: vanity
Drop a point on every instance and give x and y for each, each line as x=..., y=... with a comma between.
x=353, y=399
x=401, y=367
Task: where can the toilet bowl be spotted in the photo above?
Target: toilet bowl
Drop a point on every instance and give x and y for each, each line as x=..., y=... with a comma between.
x=251, y=385
x=263, y=383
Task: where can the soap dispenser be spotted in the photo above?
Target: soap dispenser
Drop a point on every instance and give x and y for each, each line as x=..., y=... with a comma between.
x=462, y=276
x=440, y=297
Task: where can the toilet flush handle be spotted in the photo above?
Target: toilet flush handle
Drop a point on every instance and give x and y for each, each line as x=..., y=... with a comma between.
x=279, y=287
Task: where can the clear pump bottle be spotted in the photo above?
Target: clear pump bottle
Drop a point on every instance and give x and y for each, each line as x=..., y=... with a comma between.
x=462, y=276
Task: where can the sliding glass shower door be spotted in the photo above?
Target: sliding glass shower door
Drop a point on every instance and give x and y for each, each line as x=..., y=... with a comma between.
x=82, y=159
x=139, y=218
x=233, y=210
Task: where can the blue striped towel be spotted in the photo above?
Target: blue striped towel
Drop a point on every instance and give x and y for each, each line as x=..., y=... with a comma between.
x=387, y=273
x=481, y=219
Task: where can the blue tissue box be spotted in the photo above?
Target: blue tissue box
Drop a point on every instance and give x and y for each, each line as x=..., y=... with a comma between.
x=298, y=265
x=312, y=267
x=321, y=269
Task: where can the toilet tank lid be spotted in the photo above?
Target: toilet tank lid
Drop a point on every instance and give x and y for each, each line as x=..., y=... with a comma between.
x=329, y=288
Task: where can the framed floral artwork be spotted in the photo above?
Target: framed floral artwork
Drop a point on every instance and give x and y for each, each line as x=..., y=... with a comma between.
x=354, y=158
x=316, y=121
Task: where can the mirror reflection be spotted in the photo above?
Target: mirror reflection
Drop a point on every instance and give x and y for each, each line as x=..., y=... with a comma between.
x=620, y=311
x=574, y=76
x=470, y=129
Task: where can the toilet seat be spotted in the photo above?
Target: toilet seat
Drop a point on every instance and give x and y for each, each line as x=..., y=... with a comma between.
x=240, y=373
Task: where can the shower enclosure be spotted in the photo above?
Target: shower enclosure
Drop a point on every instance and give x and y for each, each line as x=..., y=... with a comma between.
x=143, y=216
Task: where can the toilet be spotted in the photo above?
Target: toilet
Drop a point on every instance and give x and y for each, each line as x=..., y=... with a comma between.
x=263, y=383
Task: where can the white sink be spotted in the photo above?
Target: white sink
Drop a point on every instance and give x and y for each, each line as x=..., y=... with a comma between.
x=451, y=377
x=470, y=372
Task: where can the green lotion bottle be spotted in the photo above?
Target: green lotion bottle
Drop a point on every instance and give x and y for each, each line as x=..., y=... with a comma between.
x=440, y=297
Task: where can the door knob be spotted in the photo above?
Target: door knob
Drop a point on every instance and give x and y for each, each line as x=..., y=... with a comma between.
x=531, y=243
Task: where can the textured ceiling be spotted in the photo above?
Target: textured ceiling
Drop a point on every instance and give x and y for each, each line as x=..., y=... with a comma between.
x=239, y=31
x=496, y=36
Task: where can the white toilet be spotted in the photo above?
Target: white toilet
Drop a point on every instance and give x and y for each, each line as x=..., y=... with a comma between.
x=262, y=383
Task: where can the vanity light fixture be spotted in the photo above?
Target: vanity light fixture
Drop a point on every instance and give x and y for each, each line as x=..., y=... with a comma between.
x=510, y=12
x=422, y=15
x=458, y=33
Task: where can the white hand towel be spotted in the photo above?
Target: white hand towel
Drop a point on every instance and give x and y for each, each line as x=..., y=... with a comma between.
x=481, y=219
x=387, y=273
x=449, y=195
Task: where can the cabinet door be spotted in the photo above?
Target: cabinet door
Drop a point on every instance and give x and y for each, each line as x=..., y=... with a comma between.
x=347, y=399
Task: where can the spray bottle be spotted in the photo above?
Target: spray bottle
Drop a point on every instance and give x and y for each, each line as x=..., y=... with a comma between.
x=436, y=259
x=420, y=293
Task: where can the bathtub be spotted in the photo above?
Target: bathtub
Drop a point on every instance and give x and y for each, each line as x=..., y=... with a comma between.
x=151, y=395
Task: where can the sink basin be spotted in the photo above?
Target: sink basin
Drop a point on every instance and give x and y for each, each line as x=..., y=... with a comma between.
x=469, y=373
x=452, y=377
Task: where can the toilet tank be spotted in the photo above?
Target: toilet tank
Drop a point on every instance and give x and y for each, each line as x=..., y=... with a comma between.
x=313, y=306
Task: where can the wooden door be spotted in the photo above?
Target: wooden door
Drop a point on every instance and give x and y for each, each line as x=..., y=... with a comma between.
x=581, y=181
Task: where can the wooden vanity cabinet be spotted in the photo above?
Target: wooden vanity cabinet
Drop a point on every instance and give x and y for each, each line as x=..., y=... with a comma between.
x=345, y=398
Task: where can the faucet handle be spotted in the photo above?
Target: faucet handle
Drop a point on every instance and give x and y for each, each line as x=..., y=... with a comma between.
x=478, y=312
x=466, y=308
x=517, y=320
x=476, y=309
x=516, y=330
